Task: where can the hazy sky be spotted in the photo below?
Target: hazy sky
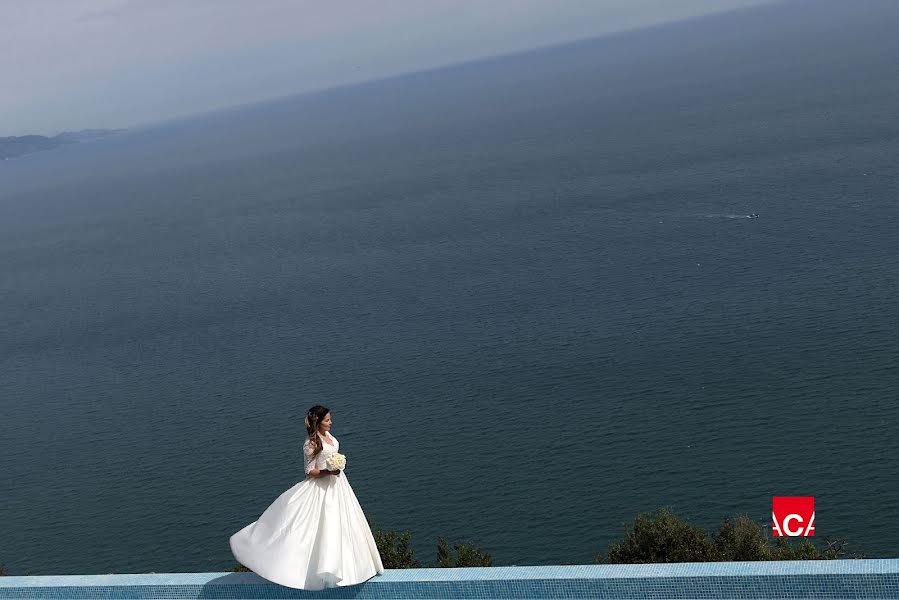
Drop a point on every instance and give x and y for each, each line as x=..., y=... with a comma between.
x=72, y=64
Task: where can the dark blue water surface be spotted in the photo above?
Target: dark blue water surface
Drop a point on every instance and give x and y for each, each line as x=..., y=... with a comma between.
x=527, y=288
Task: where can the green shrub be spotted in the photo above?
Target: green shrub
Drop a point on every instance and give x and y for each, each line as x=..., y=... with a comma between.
x=467, y=555
x=396, y=550
x=742, y=539
x=664, y=537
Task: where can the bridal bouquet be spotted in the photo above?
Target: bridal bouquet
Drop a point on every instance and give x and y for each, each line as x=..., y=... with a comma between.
x=336, y=462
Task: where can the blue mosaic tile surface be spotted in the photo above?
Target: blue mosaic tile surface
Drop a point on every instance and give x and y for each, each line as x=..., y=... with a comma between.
x=780, y=580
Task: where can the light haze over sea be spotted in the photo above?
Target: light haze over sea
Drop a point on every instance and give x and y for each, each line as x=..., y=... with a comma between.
x=527, y=288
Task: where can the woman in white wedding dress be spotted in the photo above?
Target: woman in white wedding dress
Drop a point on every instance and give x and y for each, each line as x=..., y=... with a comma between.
x=315, y=534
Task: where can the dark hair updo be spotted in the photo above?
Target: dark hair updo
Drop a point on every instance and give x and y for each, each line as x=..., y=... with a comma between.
x=314, y=416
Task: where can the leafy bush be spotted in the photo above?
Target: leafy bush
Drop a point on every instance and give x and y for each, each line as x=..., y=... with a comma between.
x=396, y=550
x=467, y=555
x=742, y=539
x=664, y=537
x=659, y=538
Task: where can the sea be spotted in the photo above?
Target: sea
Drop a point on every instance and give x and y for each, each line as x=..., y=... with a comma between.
x=541, y=293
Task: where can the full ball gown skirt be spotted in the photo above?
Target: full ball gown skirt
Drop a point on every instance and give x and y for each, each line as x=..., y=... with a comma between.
x=313, y=536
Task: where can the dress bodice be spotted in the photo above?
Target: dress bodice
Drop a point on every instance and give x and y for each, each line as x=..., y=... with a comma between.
x=318, y=462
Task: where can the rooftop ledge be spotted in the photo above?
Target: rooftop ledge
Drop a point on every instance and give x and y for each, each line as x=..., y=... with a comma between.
x=789, y=580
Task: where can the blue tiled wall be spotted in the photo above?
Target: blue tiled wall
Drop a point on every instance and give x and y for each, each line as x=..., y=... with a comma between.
x=826, y=579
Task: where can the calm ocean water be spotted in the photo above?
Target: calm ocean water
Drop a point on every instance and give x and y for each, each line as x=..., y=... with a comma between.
x=527, y=288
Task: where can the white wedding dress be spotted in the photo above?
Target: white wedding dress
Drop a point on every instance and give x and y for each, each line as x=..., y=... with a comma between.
x=314, y=535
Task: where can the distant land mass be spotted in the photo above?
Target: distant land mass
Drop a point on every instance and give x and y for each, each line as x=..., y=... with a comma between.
x=26, y=144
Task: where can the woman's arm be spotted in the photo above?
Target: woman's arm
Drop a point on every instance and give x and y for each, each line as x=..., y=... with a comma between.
x=321, y=473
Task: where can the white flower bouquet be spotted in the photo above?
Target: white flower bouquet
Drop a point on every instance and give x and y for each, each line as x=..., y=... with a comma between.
x=336, y=462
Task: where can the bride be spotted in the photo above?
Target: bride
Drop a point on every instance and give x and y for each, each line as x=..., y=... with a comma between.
x=315, y=534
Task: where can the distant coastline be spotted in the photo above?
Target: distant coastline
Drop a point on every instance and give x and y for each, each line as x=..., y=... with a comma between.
x=11, y=147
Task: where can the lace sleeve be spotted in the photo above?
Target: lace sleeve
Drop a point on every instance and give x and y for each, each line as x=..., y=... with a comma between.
x=308, y=459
